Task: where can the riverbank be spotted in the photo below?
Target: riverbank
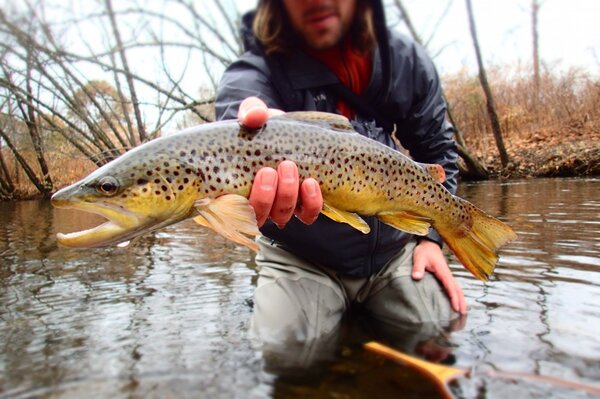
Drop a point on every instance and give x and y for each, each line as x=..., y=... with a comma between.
x=559, y=153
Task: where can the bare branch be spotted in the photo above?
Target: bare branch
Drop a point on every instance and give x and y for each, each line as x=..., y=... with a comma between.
x=130, y=84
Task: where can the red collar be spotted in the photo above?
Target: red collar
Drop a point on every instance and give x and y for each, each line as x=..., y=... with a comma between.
x=351, y=67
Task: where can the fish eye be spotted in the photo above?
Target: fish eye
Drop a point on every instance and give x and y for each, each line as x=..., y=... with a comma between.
x=108, y=186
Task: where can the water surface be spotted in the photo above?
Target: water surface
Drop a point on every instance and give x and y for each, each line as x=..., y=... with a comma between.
x=169, y=316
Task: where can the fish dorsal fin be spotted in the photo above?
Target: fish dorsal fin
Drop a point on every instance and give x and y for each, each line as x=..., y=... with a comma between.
x=346, y=217
x=406, y=221
x=435, y=170
x=324, y=119
x=230, y=215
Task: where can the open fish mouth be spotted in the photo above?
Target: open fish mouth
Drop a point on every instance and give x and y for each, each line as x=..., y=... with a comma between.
x=121, y=226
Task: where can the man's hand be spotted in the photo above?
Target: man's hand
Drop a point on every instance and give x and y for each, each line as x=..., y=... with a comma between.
x=428, y=256
x=277, y=193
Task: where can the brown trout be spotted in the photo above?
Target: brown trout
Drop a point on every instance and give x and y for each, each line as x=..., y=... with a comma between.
x=206, y=172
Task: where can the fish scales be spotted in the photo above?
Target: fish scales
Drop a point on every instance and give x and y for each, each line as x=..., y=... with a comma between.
x=206, y=172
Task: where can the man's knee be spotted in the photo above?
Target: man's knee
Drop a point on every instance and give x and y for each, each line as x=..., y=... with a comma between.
x=295, y=310
x=405, y=300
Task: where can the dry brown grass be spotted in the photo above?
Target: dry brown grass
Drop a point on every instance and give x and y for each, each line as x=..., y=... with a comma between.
x=554, y=133
x=65, y=168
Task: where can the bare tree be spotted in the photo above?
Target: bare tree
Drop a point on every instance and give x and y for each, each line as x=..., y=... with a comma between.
x=490, y=104
x=535, y=8
x=130, y=84
x=89, y=92
x=474, y=168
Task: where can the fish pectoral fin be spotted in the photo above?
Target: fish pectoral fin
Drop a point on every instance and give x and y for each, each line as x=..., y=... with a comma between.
x=230, y=215
x=323, y=119
x=406, y=221
x=346, y=217
x=435, y=170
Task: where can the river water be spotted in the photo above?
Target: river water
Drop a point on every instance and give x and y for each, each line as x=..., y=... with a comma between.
x=169, y=316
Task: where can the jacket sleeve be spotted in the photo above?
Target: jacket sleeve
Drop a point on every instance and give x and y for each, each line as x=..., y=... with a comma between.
x=248, y=76
x=423, y=129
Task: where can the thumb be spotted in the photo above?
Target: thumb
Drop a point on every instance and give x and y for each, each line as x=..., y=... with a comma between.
x=253, y=113
x=418, y=270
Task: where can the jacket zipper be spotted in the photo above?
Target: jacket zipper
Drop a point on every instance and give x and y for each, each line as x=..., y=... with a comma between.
x=374, y=245
x=348, y=74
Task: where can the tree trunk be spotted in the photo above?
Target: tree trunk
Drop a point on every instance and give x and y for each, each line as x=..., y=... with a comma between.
x=6, y=185
x=24, y=165
x=490, y=103
x=34, y=132
x=535, y=8
x=134, y=99
x=475, y=169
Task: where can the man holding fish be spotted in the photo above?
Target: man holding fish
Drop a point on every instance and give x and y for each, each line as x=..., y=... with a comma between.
x=312, y=269
x=370, y=221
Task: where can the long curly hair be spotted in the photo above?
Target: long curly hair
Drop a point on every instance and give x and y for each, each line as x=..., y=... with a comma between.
x=271, y=27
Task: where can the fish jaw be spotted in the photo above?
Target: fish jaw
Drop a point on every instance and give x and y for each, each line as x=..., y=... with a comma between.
x=121, y=226
x=99, y=236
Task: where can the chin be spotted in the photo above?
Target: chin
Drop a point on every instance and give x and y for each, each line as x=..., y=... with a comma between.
x=324, y=43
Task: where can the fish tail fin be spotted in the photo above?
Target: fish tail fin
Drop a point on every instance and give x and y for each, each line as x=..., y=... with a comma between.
x=476, y=243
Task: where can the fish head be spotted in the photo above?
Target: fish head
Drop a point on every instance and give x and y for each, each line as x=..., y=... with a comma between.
x=136, y=195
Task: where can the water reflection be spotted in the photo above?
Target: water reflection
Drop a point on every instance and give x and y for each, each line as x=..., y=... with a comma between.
x=169, y=315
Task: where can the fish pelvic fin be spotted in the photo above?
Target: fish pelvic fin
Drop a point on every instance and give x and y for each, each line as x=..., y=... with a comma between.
x=406, y=221
x=476, y=246
x=346, y=217
x=435, y=170
x=231, y=216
